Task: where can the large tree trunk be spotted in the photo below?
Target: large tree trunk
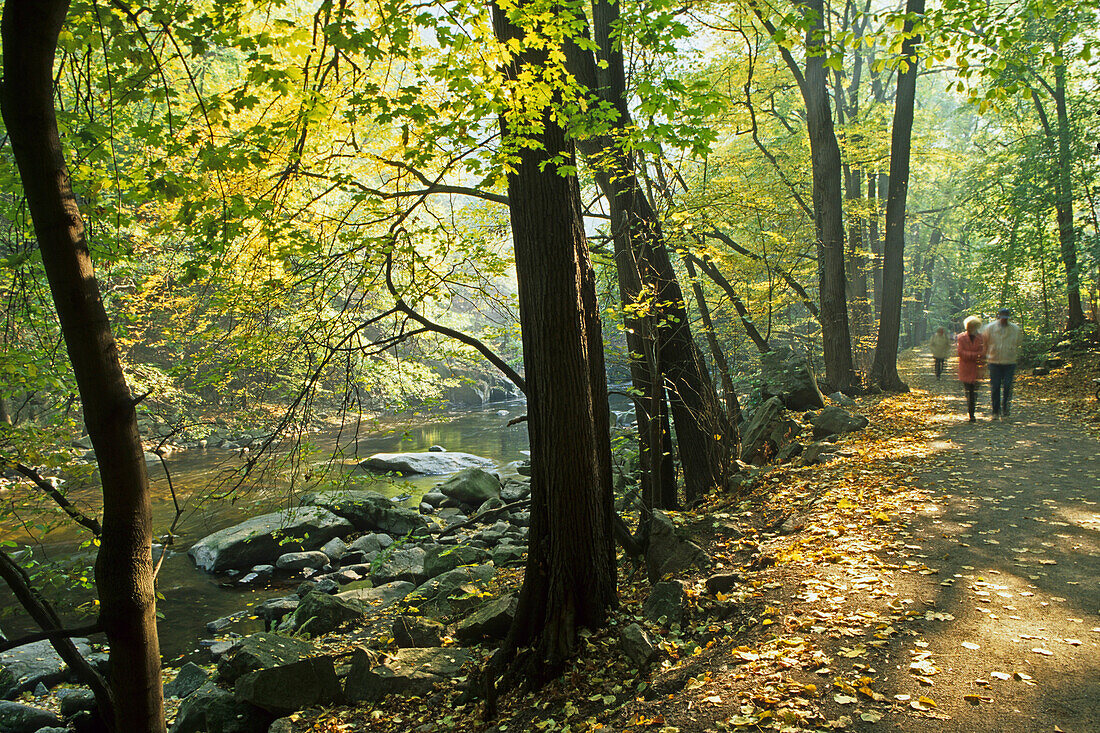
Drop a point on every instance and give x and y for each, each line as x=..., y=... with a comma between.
x=884, y=372
x=828, y=207
x=570, y=579
x=123, y=570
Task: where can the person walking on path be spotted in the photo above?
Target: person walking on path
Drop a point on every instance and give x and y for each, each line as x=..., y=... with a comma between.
x=1002, y=348
x=970, y=347
x=940, y=345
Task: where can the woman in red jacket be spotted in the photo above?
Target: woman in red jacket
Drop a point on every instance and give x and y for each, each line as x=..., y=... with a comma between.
x=971, y=349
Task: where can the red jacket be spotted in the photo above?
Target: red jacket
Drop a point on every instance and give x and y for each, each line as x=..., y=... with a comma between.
x=970, y=350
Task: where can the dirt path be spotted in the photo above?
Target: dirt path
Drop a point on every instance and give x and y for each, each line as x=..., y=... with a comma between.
x=940, y=575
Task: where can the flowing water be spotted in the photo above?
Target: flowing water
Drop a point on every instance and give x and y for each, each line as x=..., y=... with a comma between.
x=191, y=597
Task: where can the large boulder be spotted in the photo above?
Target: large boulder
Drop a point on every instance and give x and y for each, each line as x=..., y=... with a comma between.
x=407, y=672
x=284, y=689
x=669, y=553
x=18, y=718
x=380, y=596
x=320, y=613
x=214, y=710
x=404, y=563
x=768, y=430
x=189, y=679
x=490, y=622
x=266, y=537
x=666, y=602
x=439, y=559
x=836, y=421
x=789, y=377
x=430, y=463
x=471, y=487
x=259, y=651
x=454, y=591
x=25, y=667
x=369, y=511
x=417, y=631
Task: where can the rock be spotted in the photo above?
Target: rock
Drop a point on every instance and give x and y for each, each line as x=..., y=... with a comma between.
x=453, y=591
x=434, y=498
x=292, y=561
x=668, y=553
x=18, y=718
x=1040, y=371
x=380, y=596
x=41, y=690
x=263, y=572
x=514, y=490
x=25, y=667
x=407, y=672
x=428, y=464
x=190, y=678
x=837, y=421
x=437, y=449
x=489, y=505
x=636, y=646
x=789, y=452
x=214, y=710
x=72, y=701
x=259, y=651
x=506, y=556
x=471, y=487
x=284, y=689
x=405, y=563
x=441, y=558
x=491, y=621
x=666, y=602
x=768, y=430
x=723, y=582
x=842, y=399
x=282, y=725
x=811, y=455
x=417, y=631
x=319, y=613
x=273, y=610
x=370, y=543
x=335, y=549
x=267, y=536
x=790, y=378
x=370, y=511
x=324, y=586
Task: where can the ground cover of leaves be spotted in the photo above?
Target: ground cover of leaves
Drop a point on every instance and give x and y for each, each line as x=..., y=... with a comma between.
x=939, y=575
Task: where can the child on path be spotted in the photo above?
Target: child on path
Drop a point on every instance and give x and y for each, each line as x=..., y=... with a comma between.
x=970, y=348
x=940, y=345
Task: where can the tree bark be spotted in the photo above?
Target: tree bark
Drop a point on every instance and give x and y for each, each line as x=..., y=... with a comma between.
x=884, y=372
x=570, y=579
x=123, y=569
x=828, y=207
x=1067, y=238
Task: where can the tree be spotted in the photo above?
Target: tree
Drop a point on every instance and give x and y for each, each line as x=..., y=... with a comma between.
x=570, y=578
x=885, y=368
x=124, y=571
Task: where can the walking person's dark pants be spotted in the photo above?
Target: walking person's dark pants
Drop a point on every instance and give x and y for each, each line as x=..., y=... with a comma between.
x=971, y=398
x=939, y=367
x=1000, y=384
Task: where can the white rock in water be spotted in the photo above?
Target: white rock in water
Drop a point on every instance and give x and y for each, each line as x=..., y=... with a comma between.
x=428, y=463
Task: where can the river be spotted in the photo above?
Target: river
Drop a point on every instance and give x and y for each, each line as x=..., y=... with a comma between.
x=191, y=597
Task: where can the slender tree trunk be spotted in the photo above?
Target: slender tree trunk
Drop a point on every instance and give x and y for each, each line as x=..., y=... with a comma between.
x=1067, y=238
x=733, y=407
x=703, y=433
x=885, y=369
x=828, y=208
x=123, y=570
x=570, y=579
x=876, y=184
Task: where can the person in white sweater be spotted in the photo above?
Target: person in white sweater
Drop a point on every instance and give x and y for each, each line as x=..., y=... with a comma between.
x=1002, y=348
x=940, y=346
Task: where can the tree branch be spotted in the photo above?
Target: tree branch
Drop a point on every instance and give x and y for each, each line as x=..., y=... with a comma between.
x=787, y=277
x=89, y=523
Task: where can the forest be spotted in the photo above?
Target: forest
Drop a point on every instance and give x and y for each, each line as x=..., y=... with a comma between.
x=253, y=234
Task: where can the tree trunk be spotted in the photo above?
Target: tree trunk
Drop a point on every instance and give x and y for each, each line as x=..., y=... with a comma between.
x=703, y=433
x=1067, y=238
x=570, y=579
x=123, y=570
x=876, y=183
x=828, y=207
x=733, y=407
x=885, y=369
